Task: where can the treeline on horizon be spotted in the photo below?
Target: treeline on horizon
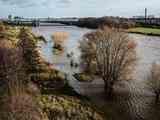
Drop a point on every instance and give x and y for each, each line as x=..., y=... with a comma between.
x=95, y=22
x=98, y=22
x=110, y=21
x=117, y=22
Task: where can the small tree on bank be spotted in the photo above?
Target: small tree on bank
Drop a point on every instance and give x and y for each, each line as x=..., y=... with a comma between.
x=112, y=55
x=27, y=44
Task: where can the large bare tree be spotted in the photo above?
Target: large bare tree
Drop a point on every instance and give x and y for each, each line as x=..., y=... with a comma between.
x=111, y=53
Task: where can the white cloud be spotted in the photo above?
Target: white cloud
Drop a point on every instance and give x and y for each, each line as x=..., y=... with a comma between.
x=78, y=7
x=16, y=1
x=35, y=2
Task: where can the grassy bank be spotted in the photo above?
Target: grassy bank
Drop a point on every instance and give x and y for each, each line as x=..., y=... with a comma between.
x=145, y=31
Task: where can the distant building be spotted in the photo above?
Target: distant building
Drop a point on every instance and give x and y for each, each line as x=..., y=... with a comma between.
x=151, y=16
x=139, y=16
x=151, y=19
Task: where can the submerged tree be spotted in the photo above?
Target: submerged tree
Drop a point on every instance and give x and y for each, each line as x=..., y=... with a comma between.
x=88, y=53
x=111, y=53
x=59, y=38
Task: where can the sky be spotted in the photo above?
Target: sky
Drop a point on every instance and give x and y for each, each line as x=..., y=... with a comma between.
x=78, y=8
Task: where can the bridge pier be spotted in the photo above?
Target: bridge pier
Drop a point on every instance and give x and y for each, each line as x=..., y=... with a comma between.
x=36, y=23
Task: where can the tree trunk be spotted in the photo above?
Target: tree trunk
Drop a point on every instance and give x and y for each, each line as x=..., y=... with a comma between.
x=110, y=93
x=157, y=97
x=109, y=89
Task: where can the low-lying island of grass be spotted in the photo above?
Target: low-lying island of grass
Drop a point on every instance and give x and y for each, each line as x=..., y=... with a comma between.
x=145, y=31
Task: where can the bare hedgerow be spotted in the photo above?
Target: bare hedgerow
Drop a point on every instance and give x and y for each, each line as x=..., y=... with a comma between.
x=16, y=103
x=111, y=53
x=20, y=106
x=11, y=72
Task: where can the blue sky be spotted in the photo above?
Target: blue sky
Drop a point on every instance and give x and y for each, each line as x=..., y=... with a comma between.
x=77, y=8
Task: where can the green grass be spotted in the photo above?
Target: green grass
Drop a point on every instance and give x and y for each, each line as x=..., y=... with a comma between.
x=83, y=77
x=147, y=31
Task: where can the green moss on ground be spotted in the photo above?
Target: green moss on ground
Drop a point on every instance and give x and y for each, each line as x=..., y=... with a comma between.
x=83, y=77
x=68, y=108
x=57, y=51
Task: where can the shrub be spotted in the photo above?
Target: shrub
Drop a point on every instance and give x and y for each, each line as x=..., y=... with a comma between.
x=20, y=106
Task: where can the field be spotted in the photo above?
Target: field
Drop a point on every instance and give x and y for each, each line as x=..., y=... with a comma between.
x=146, y=31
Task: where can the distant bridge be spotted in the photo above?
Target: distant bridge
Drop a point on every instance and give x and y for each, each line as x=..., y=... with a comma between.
x=42, y=22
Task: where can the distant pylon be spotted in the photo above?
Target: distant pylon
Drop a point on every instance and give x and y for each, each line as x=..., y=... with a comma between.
x=145, y=15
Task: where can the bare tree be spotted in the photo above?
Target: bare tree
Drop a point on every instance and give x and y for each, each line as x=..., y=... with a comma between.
x=113, y=54
x=154, y=80
x=88, y=53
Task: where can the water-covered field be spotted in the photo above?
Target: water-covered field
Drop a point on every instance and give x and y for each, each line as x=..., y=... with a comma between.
x=134, y=100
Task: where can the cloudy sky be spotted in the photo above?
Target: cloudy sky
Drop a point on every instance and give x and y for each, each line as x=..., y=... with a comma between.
x=77, y=8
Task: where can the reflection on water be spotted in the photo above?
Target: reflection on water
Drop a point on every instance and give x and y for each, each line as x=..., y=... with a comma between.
x=133, y=99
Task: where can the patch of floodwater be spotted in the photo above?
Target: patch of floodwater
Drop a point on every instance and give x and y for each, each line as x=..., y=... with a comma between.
x=61, y=62
x=148, y=52
x=134, y=101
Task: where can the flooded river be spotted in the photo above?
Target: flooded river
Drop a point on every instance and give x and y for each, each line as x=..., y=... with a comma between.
x=134, y=99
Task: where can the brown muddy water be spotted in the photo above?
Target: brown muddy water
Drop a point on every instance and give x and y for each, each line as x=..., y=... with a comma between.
x=133, y=100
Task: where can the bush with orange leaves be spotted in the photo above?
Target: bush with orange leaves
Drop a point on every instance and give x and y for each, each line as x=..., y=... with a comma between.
x=111, y=53
x=59, y=38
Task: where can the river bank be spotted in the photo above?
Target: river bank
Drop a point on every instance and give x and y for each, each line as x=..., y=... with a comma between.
x=145, y=31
